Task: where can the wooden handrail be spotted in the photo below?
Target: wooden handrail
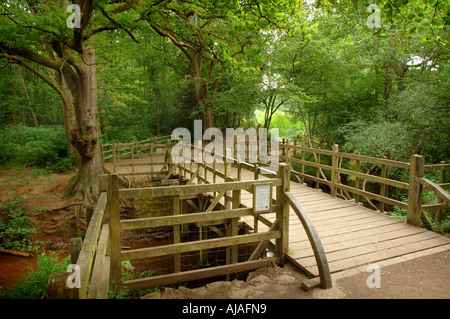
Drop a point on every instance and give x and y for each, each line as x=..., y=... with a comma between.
x=231, y=215
x=92, y=258
x=98, y=286
x=381, y=180
x=89, y=247
x=436, y=167
x=288, y=155
x=194, y=189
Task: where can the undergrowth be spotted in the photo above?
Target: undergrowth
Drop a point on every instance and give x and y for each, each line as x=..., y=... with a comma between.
x=16, y=226
x=35, y=283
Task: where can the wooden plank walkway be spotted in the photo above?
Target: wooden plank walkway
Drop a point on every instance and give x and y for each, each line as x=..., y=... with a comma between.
x=352, y=235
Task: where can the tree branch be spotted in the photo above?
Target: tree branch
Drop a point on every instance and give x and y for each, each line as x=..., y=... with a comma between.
x=30, y=55
x=117, y=24
x=38, y=73
x=242, y=48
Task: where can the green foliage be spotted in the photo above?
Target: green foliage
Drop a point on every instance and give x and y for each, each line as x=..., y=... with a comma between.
x=339, y=80
x=442, y=227
x=428, y=197
x=16, y=225
x=38, y=147
x=415, y=121
x=35, y=284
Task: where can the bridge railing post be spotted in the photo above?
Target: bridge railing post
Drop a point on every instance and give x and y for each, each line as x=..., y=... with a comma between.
x=334, y=166
x=415, y=190
x=288, y=152
x=441, y=181
x=114, y=154
x=282, y=217
x=168, y=157
x=114, y=226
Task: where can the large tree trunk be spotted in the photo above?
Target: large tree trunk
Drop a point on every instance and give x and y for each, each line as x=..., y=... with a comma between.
x=68, y=113
x=67, y=107
x=85, y=137
x=208, y=116
x=201, y=91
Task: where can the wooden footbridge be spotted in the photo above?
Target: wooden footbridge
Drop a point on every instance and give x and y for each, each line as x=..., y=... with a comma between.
x=322, y=234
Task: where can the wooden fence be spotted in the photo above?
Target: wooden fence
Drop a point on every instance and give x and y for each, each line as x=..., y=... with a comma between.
x=290, y=151
x=150, y=149
x=332, y=175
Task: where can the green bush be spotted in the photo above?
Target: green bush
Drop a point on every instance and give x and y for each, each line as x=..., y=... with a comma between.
x=35, y=146
x=35, y=284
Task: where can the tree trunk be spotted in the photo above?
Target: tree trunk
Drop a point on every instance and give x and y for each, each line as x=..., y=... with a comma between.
x=208, y=116
x=68, y=112
x=27, y=95
x=201, y=91
x=85, y=137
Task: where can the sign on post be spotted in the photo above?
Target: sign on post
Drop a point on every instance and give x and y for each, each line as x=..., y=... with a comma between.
x=262, y=198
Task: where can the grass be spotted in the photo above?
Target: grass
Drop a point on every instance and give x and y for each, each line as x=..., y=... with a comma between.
x=130, y=273
x=35, y=283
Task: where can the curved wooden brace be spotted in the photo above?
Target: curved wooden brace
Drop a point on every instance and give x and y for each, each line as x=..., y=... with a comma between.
x=440, y=192
x=319, y=253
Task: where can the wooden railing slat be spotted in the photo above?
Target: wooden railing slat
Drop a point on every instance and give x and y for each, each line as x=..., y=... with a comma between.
x=198, y=245
x=192, y=189
x=97, y=275
x=89, y=245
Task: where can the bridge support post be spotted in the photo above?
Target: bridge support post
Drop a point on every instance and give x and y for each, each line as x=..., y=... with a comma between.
x=176, y=232
x=415, y=190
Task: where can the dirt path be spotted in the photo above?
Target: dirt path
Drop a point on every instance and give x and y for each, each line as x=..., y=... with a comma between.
x=422, y=278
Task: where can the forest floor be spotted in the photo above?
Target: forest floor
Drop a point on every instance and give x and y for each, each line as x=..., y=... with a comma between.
x=426, y=277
